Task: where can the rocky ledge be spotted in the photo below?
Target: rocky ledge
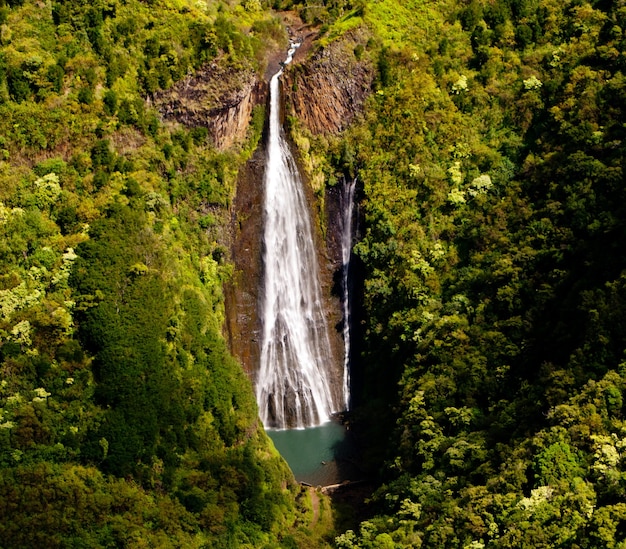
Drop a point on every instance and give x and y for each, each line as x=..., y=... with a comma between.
x=215, y=97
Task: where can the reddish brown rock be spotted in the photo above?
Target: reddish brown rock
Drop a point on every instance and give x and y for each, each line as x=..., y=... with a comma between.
x=328, y=90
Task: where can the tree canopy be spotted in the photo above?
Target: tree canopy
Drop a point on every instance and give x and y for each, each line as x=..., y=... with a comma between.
x=491, y=160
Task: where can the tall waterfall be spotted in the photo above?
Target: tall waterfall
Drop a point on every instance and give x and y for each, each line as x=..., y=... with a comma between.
x=347, y=233
x=292, y=387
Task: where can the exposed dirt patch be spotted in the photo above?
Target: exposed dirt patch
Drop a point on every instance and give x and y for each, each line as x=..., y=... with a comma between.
x=315, y=505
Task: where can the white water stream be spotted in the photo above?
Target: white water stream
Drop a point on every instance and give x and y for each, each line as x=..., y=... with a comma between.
x=292, y=386
x=347, y=233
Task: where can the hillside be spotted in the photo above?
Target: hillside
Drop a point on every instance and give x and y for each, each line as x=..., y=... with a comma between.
x=487, y=139
x=491, y=159
x=124, y=420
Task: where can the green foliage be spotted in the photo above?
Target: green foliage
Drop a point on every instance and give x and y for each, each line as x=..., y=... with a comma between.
x=492, y=250
x=105, y=511
x=490, y=157
x=120, y=405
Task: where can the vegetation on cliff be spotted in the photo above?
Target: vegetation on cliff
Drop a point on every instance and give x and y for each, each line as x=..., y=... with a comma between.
x=490, y=155
x=491, y=159
x=124, y=421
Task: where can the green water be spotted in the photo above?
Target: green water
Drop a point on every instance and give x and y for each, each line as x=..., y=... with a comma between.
x=315, y=455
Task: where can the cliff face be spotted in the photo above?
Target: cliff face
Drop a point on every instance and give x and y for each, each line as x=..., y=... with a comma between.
x=326, y=91
x=216, y=98
x=243, y=294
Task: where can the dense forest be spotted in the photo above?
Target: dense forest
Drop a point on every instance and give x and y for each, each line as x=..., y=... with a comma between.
x=124, y=420
x=492, y=316
x=491, y=159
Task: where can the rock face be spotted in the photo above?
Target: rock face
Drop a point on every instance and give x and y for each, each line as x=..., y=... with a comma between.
x=243, y=294
x=326, y=91
x=215, y=98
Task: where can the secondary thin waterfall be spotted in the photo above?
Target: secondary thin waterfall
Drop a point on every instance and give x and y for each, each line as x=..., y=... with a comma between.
x=292, y=387
x=347, y=232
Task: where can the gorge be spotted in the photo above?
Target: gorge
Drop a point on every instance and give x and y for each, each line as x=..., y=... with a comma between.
x=342, y=85
x=485, y=143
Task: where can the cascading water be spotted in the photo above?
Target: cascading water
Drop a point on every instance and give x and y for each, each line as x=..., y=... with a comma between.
x=292, y=386
x=347, y=231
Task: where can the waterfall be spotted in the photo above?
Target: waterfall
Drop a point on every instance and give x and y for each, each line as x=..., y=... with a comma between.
x=292, y=386
x=347, y=233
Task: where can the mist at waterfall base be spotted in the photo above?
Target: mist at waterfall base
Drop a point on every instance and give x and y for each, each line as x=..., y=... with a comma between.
x=296, y=401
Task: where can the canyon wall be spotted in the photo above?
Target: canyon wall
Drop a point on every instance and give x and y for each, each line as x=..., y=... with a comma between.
x=215, y=98
x=327, y=90
x=324, y=89
x=243, y=294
